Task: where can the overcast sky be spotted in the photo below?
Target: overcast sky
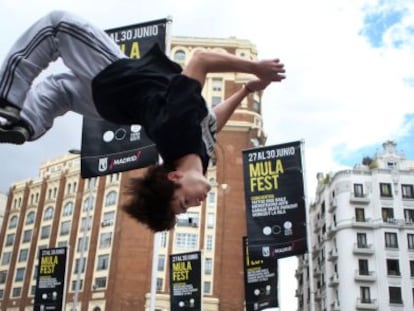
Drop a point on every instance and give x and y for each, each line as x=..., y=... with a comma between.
x=349, y=86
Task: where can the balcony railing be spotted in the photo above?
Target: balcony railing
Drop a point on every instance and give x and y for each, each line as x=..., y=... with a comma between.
x=359, y=199
x=366, y=304
x=365, y=276
x=363, y=249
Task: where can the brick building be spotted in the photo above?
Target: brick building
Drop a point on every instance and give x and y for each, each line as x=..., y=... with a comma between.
x=59, y=208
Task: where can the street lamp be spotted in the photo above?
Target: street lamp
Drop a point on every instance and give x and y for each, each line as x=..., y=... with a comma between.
x=84, y=236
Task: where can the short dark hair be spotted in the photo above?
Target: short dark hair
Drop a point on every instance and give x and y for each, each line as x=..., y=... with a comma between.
x=149, y=198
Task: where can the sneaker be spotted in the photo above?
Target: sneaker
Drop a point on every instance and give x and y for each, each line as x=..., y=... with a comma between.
x=9, y=112
x=14, y=134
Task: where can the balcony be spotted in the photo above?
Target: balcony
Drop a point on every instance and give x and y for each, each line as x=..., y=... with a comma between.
x=359, y=199
x=363, y=249
x=330, y=232
x=317, y=271
x=366, y=304
x=318, y=295
x=332, y=206
x=333, y=281
x=365, y=276
x=333, y=255
x=335, y=306
x=365, y=223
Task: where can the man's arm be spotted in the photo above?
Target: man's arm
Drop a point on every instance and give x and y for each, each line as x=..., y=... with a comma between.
x=225, y=109
x=205, y=62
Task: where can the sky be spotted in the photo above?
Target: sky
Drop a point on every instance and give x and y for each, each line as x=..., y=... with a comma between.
x=349, y=67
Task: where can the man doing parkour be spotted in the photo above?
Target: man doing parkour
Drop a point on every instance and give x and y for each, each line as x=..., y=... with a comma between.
x=152, y=91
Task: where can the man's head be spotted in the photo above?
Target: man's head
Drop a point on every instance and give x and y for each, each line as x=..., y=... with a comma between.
x=156, y=198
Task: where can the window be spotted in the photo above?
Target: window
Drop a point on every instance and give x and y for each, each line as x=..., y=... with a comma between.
x=387, y=214
x=395, y=294
x=217, y=84
x=407, y=191
x=365, y=294
x=100, y=282
x=86, y=223
x=179, y=56
x=412, y=268
x=6, y=258
x=393, y=267
x=189, y=219
x=207, y=287
x=13, y=222
x=30, y=218
x=48, y=213
x=410, y=240
x=80, y=263
x=27, y=235
x=68, y=209
x=88, y=204
x=215, y=100
x=75, y=285
x=161, y=263
x=362, y=240
x=186, y=241
x=163, y=239
x=391, y=240
x=105, y=240
x=83, y=242
x=110, y=198
x=3, y=276
x=108, y=218
x=363, y=267
x=360, y=214
x=65, y=227
x=209, y=242
x=16, y=291
x=160, y=282
x=409, y=216
x=1, y=293
x=45, y=232
x=385, y=190
x=19, y=275
x=358, y=190
x=23, y=254
x=208, y=266
x=210, y=220
x=103, y=262
x=211, y=198
x=10, y=239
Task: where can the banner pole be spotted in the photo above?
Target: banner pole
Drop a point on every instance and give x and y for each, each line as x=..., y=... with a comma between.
x=312, y=293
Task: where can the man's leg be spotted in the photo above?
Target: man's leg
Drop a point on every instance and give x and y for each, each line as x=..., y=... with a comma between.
x=50, y=98
x=84, y=48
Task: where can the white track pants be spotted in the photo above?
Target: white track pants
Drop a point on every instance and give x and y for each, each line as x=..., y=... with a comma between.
x=84, y=49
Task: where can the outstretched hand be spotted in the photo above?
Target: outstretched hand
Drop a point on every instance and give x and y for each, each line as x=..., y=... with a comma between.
x=270, y=70
x=257, y=85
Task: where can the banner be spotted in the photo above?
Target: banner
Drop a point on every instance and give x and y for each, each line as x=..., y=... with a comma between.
x=275, y=199
x=185, y=282
x=109, y=148
x=50, y=283
x=260, y=279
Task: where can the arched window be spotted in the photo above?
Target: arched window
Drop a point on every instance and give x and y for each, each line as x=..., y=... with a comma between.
x=30, y=218
x=88, y=204
x=179, y=56
x=68, y=209
x=13, y=222
x=110, y=198
x=48, y=213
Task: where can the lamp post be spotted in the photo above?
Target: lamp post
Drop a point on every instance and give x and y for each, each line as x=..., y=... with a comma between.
x=84, y=236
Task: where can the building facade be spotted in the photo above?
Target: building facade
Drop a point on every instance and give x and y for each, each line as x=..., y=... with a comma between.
x=110, y=255
x=361, y=229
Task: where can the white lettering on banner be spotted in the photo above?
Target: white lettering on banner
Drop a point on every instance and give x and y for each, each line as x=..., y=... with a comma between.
x=125, y=160
x=133, y=34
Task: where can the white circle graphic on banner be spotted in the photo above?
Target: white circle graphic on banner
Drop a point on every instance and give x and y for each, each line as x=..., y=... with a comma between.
x=287, y=225
x=108, y=136
x=267, y=230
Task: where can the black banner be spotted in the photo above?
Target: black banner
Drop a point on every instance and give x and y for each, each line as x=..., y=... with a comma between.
x=50, y=283
x=109, y=148
x=185, y=281
x=260, y=279
x=275, y=200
